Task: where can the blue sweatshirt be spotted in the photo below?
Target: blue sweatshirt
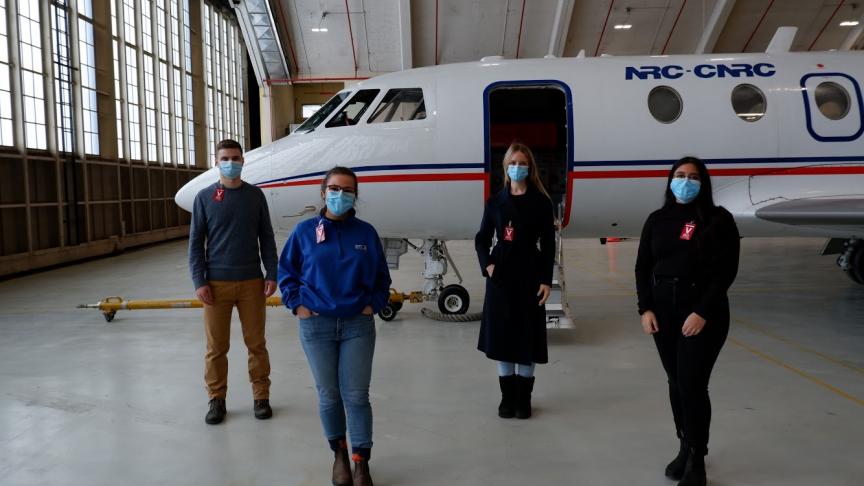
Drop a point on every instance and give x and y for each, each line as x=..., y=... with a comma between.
x=231, y=236
x=339, y=276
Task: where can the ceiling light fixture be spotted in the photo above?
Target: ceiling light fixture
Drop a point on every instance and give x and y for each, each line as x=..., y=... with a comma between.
x=849, y=23
x=320, y=22
x=623, y=26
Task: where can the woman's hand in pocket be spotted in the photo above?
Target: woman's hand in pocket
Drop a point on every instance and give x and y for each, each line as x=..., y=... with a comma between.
x=304, y=313
x=490, y=269
x=367, y=311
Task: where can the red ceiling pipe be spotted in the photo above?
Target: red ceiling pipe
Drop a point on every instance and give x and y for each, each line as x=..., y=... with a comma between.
x=436, y=32
x=351, y=34
x=826, y=24
x=519, y=39
x=605, y=22
x=677, y=17
x=288, y=36
x=273, y=81
x=764, y=14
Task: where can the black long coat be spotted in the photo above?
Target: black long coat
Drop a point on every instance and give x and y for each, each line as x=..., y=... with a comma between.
x=513, y=327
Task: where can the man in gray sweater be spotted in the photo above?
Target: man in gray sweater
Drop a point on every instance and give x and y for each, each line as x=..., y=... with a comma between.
x=231, y=237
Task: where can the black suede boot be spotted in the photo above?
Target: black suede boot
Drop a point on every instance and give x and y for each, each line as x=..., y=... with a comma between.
x=675, y=469
x=361, y=471
x=341, y=465
x=694, y=472
x=524, y=387
x=216, y=413
x=507, y=407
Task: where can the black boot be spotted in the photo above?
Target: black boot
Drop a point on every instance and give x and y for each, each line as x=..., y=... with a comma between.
x=262, y=409
x=524, y=387
x=341, y=466
x=507, y=407
x=361, y=471
x=217, y=411
x=675, y=469
x=694, y=472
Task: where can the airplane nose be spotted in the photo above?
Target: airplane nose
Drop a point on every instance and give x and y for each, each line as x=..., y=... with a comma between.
x=185, y=197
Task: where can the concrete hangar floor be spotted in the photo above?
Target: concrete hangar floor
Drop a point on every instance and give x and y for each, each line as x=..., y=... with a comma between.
x=83, y=401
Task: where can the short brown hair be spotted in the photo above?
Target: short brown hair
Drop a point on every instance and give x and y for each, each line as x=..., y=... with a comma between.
x=229, y=144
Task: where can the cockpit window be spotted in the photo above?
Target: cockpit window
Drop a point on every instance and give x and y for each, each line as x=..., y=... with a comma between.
x=400, y=105
x=313, y=121
x=351, y=113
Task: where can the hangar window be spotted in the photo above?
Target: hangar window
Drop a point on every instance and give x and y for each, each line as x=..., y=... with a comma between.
x=832, y=100
x=665, y=104
x=748, y=101
x=400, y=105
x=351, y=113
x=322, y=114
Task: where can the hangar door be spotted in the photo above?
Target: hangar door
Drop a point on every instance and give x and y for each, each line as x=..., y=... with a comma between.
x=537, y=116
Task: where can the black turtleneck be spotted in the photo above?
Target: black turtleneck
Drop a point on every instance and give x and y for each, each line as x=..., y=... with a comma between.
x=709, y=258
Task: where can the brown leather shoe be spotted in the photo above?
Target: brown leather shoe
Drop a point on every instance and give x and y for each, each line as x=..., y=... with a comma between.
x=341, y=468
x=361, y=472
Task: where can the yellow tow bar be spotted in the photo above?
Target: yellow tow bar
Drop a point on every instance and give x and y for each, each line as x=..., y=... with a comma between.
x=110, y=305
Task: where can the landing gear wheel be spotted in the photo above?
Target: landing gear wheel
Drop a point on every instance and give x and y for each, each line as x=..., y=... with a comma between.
x=397, y=306
x=454, y=299
x=856, y=265
x=388, y=313
x=109, y=316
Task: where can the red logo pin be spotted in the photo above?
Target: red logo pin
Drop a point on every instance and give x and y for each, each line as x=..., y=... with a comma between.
x=509, y=232
x=319, y=232
x=687, y=232
x=219, y=195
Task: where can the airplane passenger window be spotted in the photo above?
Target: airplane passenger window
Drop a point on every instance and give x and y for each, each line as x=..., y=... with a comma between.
x=832, y=100
x=665, y=104
x=351, y=113
x=748, y=101
x=313, y=121
x=400, y=105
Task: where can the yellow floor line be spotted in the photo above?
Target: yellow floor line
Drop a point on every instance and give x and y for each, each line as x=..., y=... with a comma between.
x=756, y=328
x=798, y=372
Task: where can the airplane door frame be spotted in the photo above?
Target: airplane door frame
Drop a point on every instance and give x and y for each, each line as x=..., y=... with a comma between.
x=569, y=152
x=808, y=98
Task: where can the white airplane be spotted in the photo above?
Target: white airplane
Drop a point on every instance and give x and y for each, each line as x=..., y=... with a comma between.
x=781, y=134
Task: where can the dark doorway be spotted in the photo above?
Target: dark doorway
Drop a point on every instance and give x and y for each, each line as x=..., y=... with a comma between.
x=535, y=115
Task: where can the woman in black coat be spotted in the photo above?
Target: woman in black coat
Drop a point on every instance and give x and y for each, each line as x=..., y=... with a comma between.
x=518, y=278
x=688, y=258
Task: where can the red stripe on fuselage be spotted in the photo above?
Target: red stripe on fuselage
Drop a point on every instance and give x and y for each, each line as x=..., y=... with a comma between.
x=718, y=172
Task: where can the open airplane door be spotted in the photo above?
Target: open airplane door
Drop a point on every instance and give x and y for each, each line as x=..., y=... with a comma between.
x=537, y=114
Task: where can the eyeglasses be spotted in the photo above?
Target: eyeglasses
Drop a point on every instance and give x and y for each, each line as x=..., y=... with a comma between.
x=346, y=189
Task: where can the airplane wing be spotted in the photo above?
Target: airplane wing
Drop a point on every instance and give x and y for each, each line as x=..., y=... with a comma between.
x=822, y=212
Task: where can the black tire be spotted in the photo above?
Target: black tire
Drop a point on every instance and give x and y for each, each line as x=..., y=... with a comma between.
x=856, y=265
x=109, y=316
x=388, y=313
x=397, y=306
x=454, y=299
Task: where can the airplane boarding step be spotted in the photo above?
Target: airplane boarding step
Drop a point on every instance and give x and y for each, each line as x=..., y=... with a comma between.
x=558, y=314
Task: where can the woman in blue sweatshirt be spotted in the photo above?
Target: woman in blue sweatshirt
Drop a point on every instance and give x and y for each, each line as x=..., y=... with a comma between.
x=333, y=275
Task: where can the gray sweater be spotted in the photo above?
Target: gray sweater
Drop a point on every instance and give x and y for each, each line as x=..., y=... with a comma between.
x=226, y=236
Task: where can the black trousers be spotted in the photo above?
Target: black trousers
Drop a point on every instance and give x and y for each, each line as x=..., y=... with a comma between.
x=688, y=361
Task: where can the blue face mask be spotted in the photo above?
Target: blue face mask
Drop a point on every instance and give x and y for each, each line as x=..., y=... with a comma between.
x=685, y=190
x=339, y=203
x=517, y=173
x=230, y=170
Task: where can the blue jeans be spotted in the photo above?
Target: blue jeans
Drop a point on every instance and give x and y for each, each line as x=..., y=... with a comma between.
x=506, y=368
x=340, y=356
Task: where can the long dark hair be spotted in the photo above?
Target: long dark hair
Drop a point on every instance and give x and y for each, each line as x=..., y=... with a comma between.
x=704, y=202
x=340, y=171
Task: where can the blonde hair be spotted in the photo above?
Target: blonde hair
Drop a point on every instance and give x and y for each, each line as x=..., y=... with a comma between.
x=533, y=173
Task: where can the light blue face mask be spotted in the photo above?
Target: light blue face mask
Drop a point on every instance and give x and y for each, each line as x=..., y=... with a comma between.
x=685, y=190
x=339, y=202
x=229, y=169
x=517, y=173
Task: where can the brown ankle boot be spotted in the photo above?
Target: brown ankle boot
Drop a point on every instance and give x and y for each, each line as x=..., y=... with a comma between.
x=341, y=468
x=361, y=471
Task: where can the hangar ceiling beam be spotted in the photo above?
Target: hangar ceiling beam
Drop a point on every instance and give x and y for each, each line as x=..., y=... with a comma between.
x=560, y=27
x=262, y=42
x=715, y=26
x=853, y=36
x=405, y=34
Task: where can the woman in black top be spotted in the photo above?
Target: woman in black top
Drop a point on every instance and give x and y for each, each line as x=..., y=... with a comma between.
x=688, y=258
x=519, y=276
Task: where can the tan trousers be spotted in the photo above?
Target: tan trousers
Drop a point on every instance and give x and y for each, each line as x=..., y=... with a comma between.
x=248, y=296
